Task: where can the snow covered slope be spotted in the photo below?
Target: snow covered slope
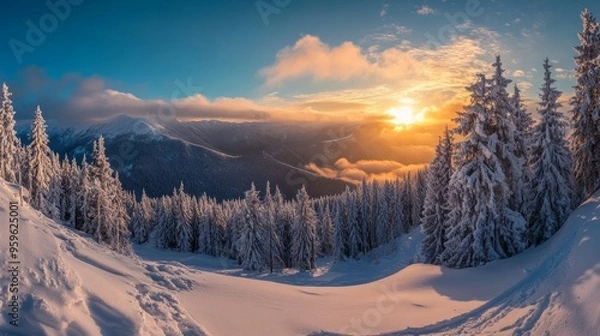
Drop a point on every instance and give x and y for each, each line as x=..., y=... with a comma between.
x=71, y=286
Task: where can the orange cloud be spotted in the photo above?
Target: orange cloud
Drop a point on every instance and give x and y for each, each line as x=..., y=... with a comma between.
x=355, y=172
x=311, y=56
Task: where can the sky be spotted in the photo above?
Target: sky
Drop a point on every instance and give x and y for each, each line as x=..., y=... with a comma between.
x=402, y=61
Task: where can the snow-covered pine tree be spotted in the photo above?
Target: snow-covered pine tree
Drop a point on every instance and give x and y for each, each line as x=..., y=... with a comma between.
x=340, y=236
x=304, y=243
x=183, y=220
x=523, y=138
x=220, y=229
x=417, y=195
x=54, y=188
x=203, y=218
x=273, y=254
x=148, y=213
x=10, y=146
x=164, y=233
x=327, y=231
x=283, y=223
x=551, y=162
x=477, y=197
x=510, y=234
x=395, y=200
x=384, y=229
x=106, y=198
x=139, y=225
x=364, y=208
x=251, y=243
x=40, y=165
x=120, y=235
x=82, y=187
x=352, y=223
x=66, y=190
x=435, y=213
x=585, y=109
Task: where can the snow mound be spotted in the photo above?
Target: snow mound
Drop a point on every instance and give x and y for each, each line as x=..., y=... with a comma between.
x=558, y=294
x=69, y=285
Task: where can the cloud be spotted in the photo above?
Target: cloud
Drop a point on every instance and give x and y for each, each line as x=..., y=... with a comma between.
x=518, y=73
x=310, y=55
x=426, y=10
x=384, y=10
x=355, y=172
x=524, y=85
x=416, y=67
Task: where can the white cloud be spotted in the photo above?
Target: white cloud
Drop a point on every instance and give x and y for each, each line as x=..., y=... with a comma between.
x=518, y=73
x=426, y=10
x=384, y=10
x=524, y=85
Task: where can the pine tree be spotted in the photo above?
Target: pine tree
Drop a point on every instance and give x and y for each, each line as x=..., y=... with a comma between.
x=120, y=236
x=585, y=138
x=139, y=225
x=551, y=161
x=147, y=211
x=40, y=166
x=435, y=213
x=54, y=188
x=327, y=232
x=183, y=220
x=478, y=191
x=523, y=138
x=164, y=232
x=382, y=218
x=108, y=218
x=509, y=235
x=251, y=241
x=304, y=249
x=353, y=224
x=340, y=242
x=10, y=146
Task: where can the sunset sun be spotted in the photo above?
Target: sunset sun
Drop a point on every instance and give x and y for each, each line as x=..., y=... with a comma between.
x=403, y=116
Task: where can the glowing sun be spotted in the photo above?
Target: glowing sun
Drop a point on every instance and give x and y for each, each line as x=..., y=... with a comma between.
x=404, y=116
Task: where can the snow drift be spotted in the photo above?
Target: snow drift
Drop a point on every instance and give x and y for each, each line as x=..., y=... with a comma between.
x=69, y=285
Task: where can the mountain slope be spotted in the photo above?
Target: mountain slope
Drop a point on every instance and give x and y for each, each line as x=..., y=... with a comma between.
x=219, y=159
x=71, y=286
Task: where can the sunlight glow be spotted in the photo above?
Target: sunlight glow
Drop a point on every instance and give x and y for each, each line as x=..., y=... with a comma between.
x=404, y=116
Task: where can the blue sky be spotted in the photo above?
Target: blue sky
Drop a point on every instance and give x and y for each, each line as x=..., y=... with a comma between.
x=332, y=58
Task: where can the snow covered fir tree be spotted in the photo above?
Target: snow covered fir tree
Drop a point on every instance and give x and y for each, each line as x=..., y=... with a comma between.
x=498, y=184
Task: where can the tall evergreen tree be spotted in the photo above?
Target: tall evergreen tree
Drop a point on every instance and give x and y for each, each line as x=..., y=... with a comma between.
x=251, y=242
x=183, y=220
x=10, y=146
x=340, y=242
x=40, y=171
x=523, y=141
x=551, y=161
x=585, y=109
x=435, y=213
x=478, y=189
x=304, y=246
x=509, y=238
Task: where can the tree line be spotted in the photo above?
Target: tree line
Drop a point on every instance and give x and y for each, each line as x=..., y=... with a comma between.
x=509, y=184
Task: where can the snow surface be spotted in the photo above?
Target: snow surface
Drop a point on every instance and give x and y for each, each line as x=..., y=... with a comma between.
x=72, y=286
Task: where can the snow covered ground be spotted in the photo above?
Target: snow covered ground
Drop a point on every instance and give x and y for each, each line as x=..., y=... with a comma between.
x=69, y=285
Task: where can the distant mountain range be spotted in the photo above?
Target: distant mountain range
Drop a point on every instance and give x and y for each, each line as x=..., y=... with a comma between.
x=219, y=158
